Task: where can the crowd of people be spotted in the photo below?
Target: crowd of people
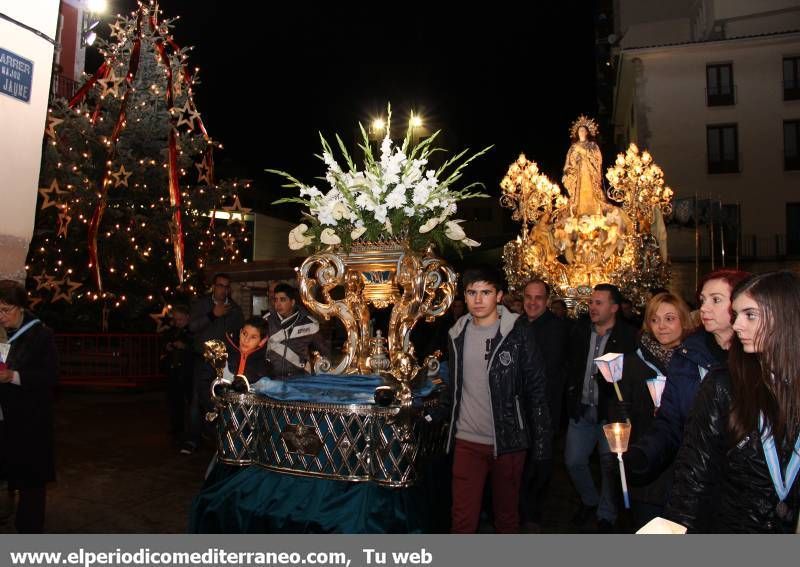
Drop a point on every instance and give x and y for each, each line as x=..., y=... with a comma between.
x=521, y=371
x=713, y=407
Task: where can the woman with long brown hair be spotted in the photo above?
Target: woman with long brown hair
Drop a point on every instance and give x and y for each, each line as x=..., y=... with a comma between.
x=741, y=450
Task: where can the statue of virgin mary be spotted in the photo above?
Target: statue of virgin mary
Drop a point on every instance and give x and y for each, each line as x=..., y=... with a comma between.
x=583, y=176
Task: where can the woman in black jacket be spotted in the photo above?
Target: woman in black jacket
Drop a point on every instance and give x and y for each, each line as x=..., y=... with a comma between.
x=666, y=323
x=741, y=450
x=27, y=377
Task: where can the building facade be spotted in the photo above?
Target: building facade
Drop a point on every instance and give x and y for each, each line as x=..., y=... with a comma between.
x=712, y=89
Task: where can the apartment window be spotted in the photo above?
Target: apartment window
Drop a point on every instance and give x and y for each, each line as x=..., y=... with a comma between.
x=723, y=148
x=791, y=144
x=793, y=228
x=791, y=78
x=719, y=84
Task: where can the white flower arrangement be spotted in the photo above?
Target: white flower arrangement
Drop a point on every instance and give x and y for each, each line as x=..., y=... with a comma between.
x=395, y=197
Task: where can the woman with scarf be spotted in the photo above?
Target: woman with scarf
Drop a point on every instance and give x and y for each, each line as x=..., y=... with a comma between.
x=666, y=323
x=28, y=374
x=741, y=452
x=654, y=451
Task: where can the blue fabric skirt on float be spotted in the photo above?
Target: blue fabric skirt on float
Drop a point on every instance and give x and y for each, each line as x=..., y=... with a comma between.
x=259, y=499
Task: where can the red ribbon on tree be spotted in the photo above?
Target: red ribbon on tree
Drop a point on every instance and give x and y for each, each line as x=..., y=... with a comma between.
x=176, y=226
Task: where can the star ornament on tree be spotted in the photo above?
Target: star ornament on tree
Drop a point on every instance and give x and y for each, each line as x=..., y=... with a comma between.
x=186, y=115
x=64, y=218
x=110, y=84
x=160, y=319
x=47, y=191
x=118, y=30
x=66, y=288
x=43, y=280
x=203, y=171
x=230, y=243
x=236, y=212
x=52, y=122
x=121, y=176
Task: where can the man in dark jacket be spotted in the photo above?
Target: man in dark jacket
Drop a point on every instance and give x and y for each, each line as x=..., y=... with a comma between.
x=551, y=335
x=179, y=362
x=213, y=317
x=293, y=335
x=588, y=399
x=496, y=403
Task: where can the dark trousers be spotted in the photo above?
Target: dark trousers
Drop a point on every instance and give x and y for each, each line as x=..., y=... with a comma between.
x=472, y=463
x=179, y=397
x=202, y=378
x=30, y=510
x=533, y=491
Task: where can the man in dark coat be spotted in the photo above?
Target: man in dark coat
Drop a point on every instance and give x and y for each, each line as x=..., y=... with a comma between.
x=213, y=317
x=589, y=397
x=550, y=334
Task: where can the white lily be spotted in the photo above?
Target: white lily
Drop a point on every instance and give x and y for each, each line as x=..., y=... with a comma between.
x=453, y=230
x=357, y=232
x=429, y=225
x=470, y=243
x=328, y=236
x=298, y=238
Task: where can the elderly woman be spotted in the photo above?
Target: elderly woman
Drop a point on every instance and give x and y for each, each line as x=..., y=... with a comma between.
x=666, y=323
x=741, y=451
x=654, y=451
x=27, y=377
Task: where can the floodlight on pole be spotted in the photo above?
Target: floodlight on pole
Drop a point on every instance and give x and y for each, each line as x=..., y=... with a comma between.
x=97, y=6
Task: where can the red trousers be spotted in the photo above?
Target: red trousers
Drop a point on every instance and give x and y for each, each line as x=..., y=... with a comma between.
x=472, y=462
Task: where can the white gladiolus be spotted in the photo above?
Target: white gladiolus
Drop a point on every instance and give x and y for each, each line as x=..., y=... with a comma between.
x=329, y=237
x=298, y=238
x=453, y=230
x=470, y=243
x=360, y=201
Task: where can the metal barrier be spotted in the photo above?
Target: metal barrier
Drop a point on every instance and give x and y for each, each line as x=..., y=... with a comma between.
x=109, y=360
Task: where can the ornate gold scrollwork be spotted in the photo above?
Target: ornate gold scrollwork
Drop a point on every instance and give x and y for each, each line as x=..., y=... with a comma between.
x=383, y=274
x=352, y=311
x=429, y=286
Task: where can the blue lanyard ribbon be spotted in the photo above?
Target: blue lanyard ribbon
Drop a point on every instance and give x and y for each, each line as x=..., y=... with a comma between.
x=782, y=487
x=650, y=364
x=22, y=329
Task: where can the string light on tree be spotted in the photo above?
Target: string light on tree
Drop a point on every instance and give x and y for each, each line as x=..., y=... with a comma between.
x=115, y=161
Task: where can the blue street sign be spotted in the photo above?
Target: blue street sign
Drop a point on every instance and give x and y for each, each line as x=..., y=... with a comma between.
x=16, y=75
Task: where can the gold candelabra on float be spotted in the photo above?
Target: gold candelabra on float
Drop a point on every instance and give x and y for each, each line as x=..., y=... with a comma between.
x=637, y=183
x=534, y=200
x=529, y=193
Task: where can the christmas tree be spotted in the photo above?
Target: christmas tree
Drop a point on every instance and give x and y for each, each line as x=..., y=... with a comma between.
x=129, y=209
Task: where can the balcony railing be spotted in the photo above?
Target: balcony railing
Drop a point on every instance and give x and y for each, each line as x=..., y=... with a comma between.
x=63, y=87
x=109, y=360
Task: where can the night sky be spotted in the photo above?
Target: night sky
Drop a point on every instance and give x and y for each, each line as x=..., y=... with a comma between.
x=513, y=76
